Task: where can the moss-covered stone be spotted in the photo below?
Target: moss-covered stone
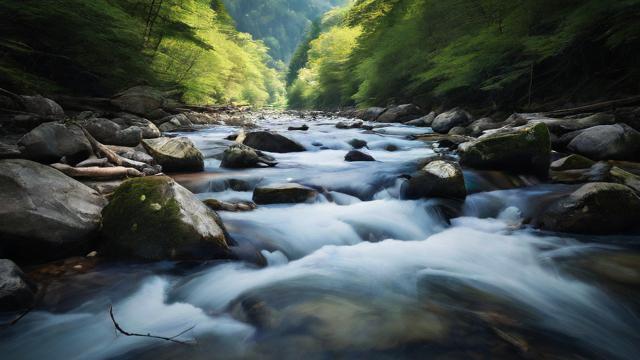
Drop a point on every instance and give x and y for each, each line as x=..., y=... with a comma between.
x=525, y=149
x=154, y=218
x=572, y=162
x=594, y=208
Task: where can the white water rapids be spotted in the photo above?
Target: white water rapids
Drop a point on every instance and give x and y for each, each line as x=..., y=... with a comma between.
x=360, y=273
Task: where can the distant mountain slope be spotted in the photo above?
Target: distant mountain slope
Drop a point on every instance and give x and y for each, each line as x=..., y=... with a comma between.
x=281, y=24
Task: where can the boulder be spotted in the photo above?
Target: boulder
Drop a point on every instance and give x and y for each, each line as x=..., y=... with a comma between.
x=563, y=126
x=42, y=106
x=594, y=208
x=283, y=194
x=357, y=143
x=479, y=126
x=171, y=125
x=439, y=178
x=139, y=100
x=271, y=142
x=525, y=149
x=44, y=213
x=9, y=151
x=620, y=176
x=400, y=113
x=16, y=292
x=238, y=156
x=149, y=129
x=372, y=113
x=572, y=162
x=458, y=130
x=608, y=142
x=154, y=218
x=424, y=121
x=50, y=142
x=110, y=133
x=355, y=155
x=175, y=154
x=450, y=119
x=353, y=125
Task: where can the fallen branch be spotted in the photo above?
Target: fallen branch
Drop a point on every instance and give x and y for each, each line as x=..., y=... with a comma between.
x=172, y=339
x=595, y=107
x=116, y=159
x=94, y=172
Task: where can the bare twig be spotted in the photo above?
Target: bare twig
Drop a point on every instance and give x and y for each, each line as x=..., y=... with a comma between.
x=126, y=333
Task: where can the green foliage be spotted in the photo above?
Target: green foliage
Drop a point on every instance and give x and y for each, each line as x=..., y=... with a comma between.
x=476, y=52
x=281, y=24
x=101, y=46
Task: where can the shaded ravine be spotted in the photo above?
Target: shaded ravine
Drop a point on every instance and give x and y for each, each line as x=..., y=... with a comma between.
x=360, y=273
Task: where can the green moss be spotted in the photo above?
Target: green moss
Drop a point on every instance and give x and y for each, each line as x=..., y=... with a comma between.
x=144, y=220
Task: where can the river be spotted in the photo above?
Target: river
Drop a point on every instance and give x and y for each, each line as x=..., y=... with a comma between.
x=359, y=273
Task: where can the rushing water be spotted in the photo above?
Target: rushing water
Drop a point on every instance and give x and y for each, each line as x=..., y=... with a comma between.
x=360, y=273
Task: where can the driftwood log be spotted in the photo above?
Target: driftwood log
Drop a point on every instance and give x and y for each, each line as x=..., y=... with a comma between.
x=94, y=172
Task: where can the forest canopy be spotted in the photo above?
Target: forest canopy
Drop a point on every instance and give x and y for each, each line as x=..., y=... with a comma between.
x=482, y=53
x=101, y=46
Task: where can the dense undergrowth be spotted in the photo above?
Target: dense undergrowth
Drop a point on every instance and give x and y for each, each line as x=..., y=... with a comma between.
x=485, y=54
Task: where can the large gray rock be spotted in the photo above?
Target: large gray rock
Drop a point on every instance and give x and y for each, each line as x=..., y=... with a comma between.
x=175, y=154
x=424, y=121
x=608, y=142
x=51, y=141
x=562, y=126
x=238, y=156
x=42, y=106
x=271, y=142
x=595, y=208
x=481, y=125
x=283, y=194
x=44, y=213
x=371, y=114
x=149, y=129
x=525, y=149
x=450, y=119
x=400, y=113
x=16, y=292
x=141, y=100
x=154, y=218
x=439, y=178
x=108, y=132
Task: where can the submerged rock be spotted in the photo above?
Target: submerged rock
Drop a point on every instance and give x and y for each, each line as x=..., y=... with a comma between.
x=526, y=149
x=595, y=208
x=355, y=155
x=439, y=178
x=175, y=154
x=271, y=142
x=400, y=113
x=446, y=121
x=357, y=143
x=283, y=194
x=50, y=142
x=304, y=127
x=44, y=214
x=219, y=205
x=608, y=142
x=16, y=292
x=154, y=218
x=238, y=156
x=353, y=125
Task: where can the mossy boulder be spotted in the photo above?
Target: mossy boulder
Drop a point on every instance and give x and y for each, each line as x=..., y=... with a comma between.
x=572, y=162
x=439, y=178
x=175, y=154
x=595, y=208
x=525, y=149
x=154, y=218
